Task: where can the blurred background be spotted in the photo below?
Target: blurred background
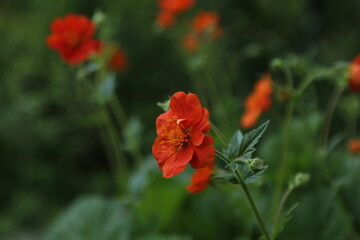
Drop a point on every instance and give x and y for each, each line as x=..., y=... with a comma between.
x=50, y=149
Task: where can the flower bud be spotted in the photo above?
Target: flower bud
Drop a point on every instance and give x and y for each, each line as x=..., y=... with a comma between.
x=299, y=179
x=256, y=164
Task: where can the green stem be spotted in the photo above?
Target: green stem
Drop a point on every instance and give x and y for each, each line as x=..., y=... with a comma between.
x=285, y=150
x=304, y=84
x=334, y=99
x=122, y=120
x=288, y=76
x=112, y=159
x=109, y=137
x=119, y=112
x=247, y=194
x=219, y=134
x=325, y=135
x=277, y=216
x=115, y=141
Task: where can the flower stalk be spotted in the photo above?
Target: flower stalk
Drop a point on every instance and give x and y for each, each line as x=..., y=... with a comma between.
x=247, y=194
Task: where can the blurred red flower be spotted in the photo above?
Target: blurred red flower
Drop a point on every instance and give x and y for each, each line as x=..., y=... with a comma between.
x=207, y=21
x=201, y=178
x=175, y=6
x=354, y=146
x=257, y=102
x=169, y=9
x=165, y=18
x=72, y=36
x=190, y=43
x=118, y=61
x=181, y=139
x=204, y=27
x=354, y=80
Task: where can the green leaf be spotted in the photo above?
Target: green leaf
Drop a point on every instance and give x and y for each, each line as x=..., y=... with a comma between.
x=164, y=105
x=286, y=218
x=228, y=177
x=247, y=146
x=253, y=176
x=92, y=218
x=161, y=202
x=234, y=145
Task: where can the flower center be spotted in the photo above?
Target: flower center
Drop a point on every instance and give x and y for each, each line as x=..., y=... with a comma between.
x=174, y=137
x=73, y=40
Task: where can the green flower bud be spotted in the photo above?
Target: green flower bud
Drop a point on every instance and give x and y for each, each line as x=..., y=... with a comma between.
x=256, y=164
x=299, y=179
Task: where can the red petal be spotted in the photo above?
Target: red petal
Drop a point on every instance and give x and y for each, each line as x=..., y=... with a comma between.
x=186, y=107
x=200, y=179
x=176, y=163
x=54, y=42
x=197, y=134
x=159, y=153
x=161, y=120
x=203, y=154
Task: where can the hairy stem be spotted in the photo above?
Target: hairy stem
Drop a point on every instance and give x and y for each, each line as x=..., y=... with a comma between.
x=248, y=195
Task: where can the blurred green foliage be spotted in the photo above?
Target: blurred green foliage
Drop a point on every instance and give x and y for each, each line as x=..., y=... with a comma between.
x=51, y=152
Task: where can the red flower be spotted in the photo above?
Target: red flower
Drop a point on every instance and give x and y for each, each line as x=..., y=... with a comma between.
x=354, y=80
x=201, y=178
x=165, y=18
x=72, y=36
x=205, y=21
x=204, y=27
x=118, y=61
x=249, y=118
x=257, y=102
x=175, y=6
x=190, y=43
x=181, y=139
x=354, y=146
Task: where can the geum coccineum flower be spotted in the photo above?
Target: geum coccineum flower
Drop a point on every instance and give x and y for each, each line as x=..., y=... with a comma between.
x=72, y=36
x=207, y=22
x=354, y=79
x=354, y=146
x=169, y=9
x=117, y=62
x=257, y=102
x=165, y=19
x=204, y=27
x=175, y=6
x=181, y=136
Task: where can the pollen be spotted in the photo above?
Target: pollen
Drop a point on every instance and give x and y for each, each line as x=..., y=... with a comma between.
x=174, y=137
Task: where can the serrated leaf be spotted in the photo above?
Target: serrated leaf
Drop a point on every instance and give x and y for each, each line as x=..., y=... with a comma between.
x=286, y=218
x=233, y=165
x=253, y=176
x=228, y=177
x=234, y=145
x=247, y=146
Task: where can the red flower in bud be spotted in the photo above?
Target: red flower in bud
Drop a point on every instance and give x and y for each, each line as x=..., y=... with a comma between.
x=201, y=178
x=354, y=146
x=175, y=6
x=257, y=102
x=354, y=80
x=181, y=139
x=72, y=36
x=118, y=61
x=165, y=18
